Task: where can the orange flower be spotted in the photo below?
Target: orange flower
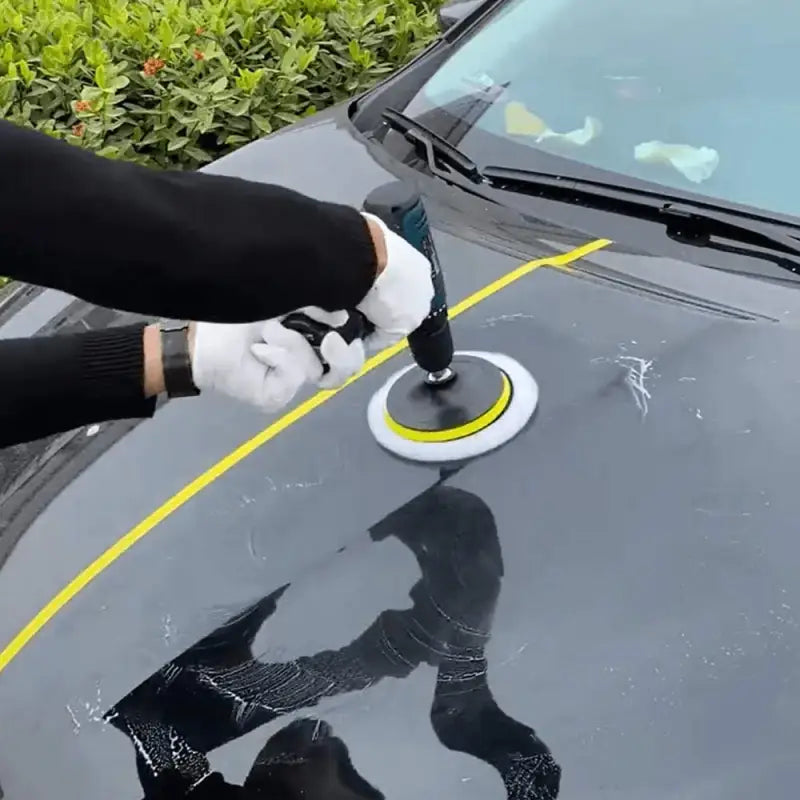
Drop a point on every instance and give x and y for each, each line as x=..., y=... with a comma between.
x=83, y=105
x=78, y=130
x=199, y=55
x=152, y=66
x=199, y=31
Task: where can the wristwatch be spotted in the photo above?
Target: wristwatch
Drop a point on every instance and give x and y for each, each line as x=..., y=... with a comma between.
x=176, y=361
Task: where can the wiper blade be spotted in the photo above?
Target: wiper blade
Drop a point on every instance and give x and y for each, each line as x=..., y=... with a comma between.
x=432, y=146
x=687, y=221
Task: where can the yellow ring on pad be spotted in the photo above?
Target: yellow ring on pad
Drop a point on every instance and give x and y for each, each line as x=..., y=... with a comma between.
x=459, y=432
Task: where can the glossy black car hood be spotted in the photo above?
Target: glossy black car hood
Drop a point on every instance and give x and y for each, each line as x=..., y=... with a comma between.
x=607, y=604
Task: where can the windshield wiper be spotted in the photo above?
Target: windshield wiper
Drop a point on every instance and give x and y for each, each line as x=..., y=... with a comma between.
x=687, y=221
x=433, y=147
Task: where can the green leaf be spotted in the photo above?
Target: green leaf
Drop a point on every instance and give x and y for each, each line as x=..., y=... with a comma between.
x=119, y=82
x=287, y=117
x=354, y=50
x=179, y=115
x=241, y=108
x=248, y=29
x=177, y=143
x=235, y=139
x=204, y=119
x=248, y=80
x=95, y=53
x=197, y=154
x=219, y=85
x=92, y=94
x=165, y=34
x=110, y=151
x=53, y=59
x=261, y=123
x=101, y=76
x=26, y=73
x=191, y=96
x=210, y=49
x=151, y=138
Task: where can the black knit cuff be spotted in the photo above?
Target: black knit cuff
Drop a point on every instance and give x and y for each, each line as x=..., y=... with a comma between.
x=112, y=372
x=355, y=248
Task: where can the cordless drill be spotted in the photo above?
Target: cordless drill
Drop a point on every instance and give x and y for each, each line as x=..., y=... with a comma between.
x=402, y=211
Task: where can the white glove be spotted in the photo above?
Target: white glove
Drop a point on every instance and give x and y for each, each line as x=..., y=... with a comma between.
x=344, y=359
x=260, y=363
x=401, y=296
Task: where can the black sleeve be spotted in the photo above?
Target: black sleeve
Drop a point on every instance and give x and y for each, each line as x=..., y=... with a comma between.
x=56, y=383
x=184, y=245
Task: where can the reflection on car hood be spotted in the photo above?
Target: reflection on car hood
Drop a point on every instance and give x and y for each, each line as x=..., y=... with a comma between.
x=603, y=607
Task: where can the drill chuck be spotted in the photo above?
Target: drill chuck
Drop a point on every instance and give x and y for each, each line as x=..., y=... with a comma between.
x=401, y=209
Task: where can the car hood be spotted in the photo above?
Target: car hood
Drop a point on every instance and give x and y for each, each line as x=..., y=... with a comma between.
x=609, y=600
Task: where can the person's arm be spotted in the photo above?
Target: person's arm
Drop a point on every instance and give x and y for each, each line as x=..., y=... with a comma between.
x=56, y=383
x=183, y=245
x=52, y=384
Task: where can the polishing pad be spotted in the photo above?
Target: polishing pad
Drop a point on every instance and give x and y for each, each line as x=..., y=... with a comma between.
x=489, y=401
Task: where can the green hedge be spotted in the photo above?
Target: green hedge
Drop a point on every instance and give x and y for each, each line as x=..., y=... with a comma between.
x=182, y=82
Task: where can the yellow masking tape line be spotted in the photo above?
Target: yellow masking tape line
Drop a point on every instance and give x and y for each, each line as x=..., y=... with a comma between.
x=124, y=543
x=559, y=261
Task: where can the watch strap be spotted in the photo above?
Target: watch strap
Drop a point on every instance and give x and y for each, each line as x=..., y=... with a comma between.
x=177, y=362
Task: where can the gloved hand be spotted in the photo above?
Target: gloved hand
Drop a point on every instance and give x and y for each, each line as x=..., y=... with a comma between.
x=260, y=363
x=344, y=359
x=401, y=296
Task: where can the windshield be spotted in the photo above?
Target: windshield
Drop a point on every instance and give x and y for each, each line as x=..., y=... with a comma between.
x=697, y=95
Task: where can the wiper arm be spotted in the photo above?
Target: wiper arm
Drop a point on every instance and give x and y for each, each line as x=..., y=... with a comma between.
x=686, y=221
x=433, y=147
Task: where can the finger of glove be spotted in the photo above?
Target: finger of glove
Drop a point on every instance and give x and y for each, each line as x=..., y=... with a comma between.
x=381, y=339
x=274, y=333
x=275, y=357
x=344, y=360
x=334, y=319
x=281, y=378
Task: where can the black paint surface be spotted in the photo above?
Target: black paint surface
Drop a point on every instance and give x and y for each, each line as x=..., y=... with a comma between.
x=218, y=690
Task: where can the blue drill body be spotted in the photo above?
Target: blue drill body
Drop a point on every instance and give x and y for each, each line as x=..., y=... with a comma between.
x=402, y=210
